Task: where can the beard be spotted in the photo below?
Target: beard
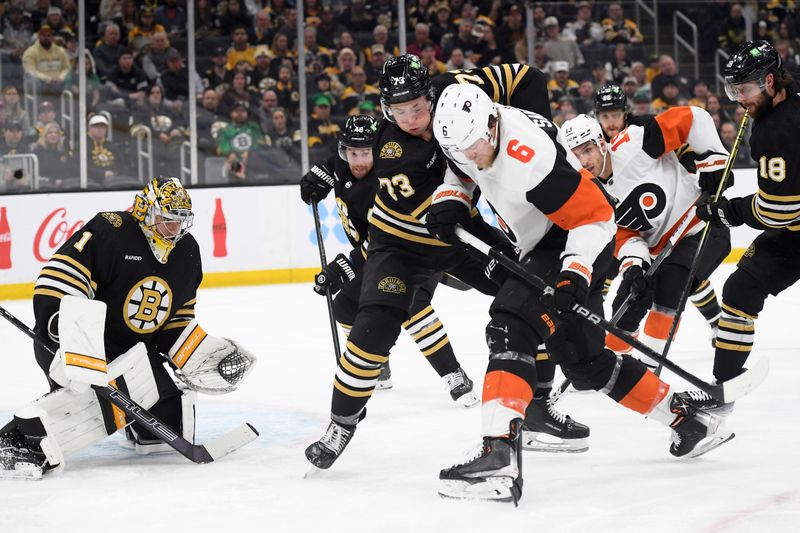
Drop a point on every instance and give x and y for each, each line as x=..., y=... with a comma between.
x=764, y=104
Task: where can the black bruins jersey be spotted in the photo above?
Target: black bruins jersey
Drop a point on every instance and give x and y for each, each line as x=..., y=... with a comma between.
x=773, y=140
x=510, y=84
x=110, y=260
x=354, y=199
x=409, y=169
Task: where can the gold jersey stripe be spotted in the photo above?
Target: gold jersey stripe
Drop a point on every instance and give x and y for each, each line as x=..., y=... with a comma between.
x=777, y=198
x=542, y=356
x=712, y=296
x=407, y=236
x=421, y=207
x=73, y=262
x=347, y=365
x=425, y=332
x=176, y=324
x=419, y=315
x=48, y=292
x=734, y=325
x=70, y=279
x=185, y=311
x=375, y=358
x=435, y=348
x=734, y=311
x=517, y=79
x=350, y=392
x=490, y=74
x=395, y=214
x=734, y=347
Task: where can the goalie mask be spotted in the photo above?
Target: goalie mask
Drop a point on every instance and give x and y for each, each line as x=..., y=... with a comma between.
x=464, y=115
x=164, y=212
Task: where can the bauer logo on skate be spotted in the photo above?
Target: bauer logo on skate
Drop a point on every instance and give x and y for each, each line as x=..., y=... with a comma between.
x=54, y=231
x=392, y=285
x=148, y=305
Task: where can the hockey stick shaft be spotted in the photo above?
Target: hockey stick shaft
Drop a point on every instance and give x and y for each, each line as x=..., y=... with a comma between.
x=328, y=297
x=197, y=453
x=720, y=392
x=701, y=246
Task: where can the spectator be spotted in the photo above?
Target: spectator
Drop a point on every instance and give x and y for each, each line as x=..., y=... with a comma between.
x=629, y=86
x=384, y=12
x=208, y=123
x=48, y=63
x=261, y=31
x=457, y=61
x=154, y=61
x=640, y=74
x=422, y=36
x=668, y=73
x=669, y=97
x=540, y=57
x=238, y=142
x=239, y=92
x=315, y=52
x=260, y=77
x=727, y=133
x=323, y=132
x=340, y=74
x=700, y=94
x=375, y=65
x=491, y=54
x=286, y=89
x=583, y=30
x=618, y=29
x=106, y=53
x=105, y=159
x=715, y=109
x=55, y=159
x=422, y=12
x=269, y=102
x=56, y=22
x=14, y=109
x=323, y=82
x=561, y=84
x=45, y=115
x=346, y=40
x=584, y=103
x=513, y=28
x=173, y=18
x=441, y=25
x=733, y=29
x=13, y=140
x=356, y=18
x=3, y=116
x=641, y=104
x=235, y=17
x=141, y=36
x=619, y=67
x=127, y=83
x=359, y=91
x=217, y=76
x=240, y=49
x=110, y=10
x=599, y=75
x=206, y=21
x=329, y=27
x=281, y=54
x=559, y=48
x=17, y=33
x=282, y=136
x=38, y=15
x=789, y=59
x=166, y=126
x=129, y=20
x=380, y=35
x=428, y=58
x=175, y=80
x=465, y=40
x=565, y=110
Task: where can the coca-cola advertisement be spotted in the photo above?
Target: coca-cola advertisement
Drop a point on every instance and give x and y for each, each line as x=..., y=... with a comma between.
x=219, y=230
x=5, y=240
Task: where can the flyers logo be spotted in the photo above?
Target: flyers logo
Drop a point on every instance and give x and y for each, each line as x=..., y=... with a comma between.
x=644, y=203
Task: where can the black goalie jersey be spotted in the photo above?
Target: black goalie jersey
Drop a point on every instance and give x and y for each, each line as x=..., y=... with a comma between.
x=110, y=260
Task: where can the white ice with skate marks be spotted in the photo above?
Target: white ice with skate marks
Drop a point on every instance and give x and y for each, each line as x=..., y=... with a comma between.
x=387, y=478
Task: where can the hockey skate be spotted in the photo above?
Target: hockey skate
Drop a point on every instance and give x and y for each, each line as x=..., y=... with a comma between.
x=385, y=378
x=19, y=459
x=546, y=429
x=326, y=450
x=493, y=472
x=695, y=431
x=461, y=388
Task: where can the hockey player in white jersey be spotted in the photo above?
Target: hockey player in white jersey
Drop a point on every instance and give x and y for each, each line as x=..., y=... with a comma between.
x=564, y=225
x=655, y=194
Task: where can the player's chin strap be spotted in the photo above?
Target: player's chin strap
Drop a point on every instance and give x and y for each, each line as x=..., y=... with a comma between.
x=726, y=392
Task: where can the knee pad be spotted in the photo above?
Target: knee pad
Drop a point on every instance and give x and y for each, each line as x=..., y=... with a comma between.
x=71, y=421
x=508, y=332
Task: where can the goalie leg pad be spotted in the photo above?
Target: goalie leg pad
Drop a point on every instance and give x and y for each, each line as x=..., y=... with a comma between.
x=145, y=444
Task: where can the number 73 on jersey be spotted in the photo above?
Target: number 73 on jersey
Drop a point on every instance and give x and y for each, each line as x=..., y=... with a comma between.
x=397, y=183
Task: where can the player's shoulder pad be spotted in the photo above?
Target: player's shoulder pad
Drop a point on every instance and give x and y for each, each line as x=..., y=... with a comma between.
x=527, y=150
x=627, y=144
x=110, y=222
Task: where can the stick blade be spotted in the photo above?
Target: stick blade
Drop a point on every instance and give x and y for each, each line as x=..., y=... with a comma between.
x=231, y=441
x=744, y=383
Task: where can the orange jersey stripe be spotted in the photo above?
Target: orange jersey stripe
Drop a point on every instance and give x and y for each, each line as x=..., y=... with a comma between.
x=587, y=205
x=655, y=250
x=675, y=124
x=623, y=234
x=658, y=324
x=615, y=344
x=646, y=394
x=508, y=389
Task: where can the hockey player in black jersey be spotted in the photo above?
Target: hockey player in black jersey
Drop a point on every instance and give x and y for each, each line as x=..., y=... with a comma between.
x=757, y=80
x=611, y=111
x=354, y=184
x=144, y=267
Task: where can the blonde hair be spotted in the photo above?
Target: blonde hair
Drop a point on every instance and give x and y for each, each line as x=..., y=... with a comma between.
x=43, y=136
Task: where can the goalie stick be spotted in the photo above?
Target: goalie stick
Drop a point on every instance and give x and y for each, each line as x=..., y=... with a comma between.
x=726, y=392
x=197, y=453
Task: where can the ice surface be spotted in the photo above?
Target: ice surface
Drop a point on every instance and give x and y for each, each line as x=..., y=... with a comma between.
x=386, y=479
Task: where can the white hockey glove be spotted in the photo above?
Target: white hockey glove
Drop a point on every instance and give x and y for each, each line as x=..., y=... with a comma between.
x=209, y=364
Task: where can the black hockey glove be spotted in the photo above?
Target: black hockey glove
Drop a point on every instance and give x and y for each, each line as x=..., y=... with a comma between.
x=450, y=206
x=334, y=275
x=316, y=184
x=720, y=213
x=710, y=167
x=635, y=283
x=571, y=288
x=496, y=271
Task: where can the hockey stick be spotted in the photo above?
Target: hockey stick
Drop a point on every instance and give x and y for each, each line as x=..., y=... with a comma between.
x=197, y=453
x=703, y=238
x=328, y=297
x=725, y=392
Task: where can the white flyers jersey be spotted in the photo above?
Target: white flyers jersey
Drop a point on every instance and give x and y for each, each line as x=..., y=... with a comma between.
x=534, y=183
x=653, y=190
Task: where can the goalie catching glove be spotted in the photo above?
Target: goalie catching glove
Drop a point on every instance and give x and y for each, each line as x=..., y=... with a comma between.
x=209, y=364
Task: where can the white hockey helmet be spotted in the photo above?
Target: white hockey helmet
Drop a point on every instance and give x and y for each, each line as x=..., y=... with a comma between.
x=462, y=117
x=582, y=129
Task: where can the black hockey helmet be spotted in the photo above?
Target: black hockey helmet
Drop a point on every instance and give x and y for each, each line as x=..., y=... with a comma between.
x=403, y=78
x=359, y=132
x=609, y=98
x=750, y=61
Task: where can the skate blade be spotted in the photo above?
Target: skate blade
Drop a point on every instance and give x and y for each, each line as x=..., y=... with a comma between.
x=496, y=489
x=710, y=443
x=384, y=385
x=534, y=441
x=468, y=400
x=312, y=472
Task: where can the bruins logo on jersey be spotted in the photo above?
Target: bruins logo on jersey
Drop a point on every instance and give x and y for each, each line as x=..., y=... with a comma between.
x=113, y=219
x=392, y=285
x=148, y=305
x=391, y=150
x=751, y=250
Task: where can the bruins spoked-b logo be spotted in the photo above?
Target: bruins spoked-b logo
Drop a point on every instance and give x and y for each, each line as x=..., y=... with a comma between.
x=392, y=285
x=148, y=305
x=391, y=150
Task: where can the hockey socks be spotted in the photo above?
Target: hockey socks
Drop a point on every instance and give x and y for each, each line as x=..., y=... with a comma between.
x=430, y=336
x=735, y=334
x=705, y=300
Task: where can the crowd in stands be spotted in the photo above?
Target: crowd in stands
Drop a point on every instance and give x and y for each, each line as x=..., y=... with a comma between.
x=246, y=72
